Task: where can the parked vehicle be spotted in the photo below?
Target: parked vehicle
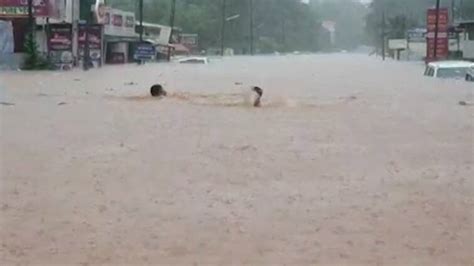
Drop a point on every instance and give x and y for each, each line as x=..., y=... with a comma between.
x=470, y=75
x=449, y=69
x=194, y=60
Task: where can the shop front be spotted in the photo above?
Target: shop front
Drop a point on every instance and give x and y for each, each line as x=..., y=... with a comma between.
x=119, y=36
x=14, y=27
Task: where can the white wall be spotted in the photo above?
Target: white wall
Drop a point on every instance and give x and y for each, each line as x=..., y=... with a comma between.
x=468, y=51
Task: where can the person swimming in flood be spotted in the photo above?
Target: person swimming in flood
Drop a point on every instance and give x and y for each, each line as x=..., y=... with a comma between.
x=158, y=91
x=258, y=99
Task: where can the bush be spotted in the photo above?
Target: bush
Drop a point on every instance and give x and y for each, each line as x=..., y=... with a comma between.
x=33, y=60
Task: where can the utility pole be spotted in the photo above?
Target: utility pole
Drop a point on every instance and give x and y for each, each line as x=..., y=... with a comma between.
x=383, y=34
x=435, y=52
x=251, y=27
x=172, y=18
x=140, y=14
x=453, y=10
x=31, y=19
x=86, y=56
x=223, y=27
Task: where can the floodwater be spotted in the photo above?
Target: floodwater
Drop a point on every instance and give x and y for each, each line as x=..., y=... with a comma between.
x=350, y=161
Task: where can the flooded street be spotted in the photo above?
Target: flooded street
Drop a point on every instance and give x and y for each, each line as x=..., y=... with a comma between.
x=350, y=161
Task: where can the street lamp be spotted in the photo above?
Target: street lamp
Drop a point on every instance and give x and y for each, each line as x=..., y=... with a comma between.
x=234, y=17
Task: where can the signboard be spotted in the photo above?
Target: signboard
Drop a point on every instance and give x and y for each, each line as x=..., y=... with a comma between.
x=397, y=44
x=144, y=51
x=95, y=43
x=19, y=8
x=442, y=45
x=99, y=11
x=416, y=35
x=60, y=46
x=119, y=23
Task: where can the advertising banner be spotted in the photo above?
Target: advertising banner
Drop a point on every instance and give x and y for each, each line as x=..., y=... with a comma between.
x=19, y=8
x=60, y=46
x=95, y=43
x=442, y=42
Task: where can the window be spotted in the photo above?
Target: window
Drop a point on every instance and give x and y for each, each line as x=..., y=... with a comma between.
x=429, y=71
x=458, y=72
x=470, y=33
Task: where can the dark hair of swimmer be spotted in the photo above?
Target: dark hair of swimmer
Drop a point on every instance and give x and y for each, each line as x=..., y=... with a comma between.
x=259, y=91
x=158, y=91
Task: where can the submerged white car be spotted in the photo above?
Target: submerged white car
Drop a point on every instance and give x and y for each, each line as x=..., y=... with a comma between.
x=194, y=60
x=449, y=69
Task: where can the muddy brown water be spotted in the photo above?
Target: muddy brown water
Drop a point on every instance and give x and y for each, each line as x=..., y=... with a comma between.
x=350, y=161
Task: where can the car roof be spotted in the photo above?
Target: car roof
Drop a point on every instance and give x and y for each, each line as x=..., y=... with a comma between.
x=193, y=58
x=451, y=64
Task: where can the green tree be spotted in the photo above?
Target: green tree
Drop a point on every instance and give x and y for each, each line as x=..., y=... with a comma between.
x=280, y=25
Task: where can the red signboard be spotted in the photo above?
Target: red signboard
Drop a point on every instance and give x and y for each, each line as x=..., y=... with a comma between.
x=442, y=43
x=19, y=8
x=94, y=35
x=60, y=46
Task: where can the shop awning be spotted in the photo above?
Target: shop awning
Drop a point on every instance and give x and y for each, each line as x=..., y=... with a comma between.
x=465, y=23
x=110, y=38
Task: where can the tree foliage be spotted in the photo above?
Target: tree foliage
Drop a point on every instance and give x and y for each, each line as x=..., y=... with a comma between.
x=33, y=59
x=279, y=25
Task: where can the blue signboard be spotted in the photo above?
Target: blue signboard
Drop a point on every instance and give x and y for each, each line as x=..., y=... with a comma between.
x=416, y=35
x=144, y=51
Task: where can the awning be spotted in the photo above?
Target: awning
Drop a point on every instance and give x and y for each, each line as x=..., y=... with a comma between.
x=464, y=23
x=178, y=47
x=110, y=38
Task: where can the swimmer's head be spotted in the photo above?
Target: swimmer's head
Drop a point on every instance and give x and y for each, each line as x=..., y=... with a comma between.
x=259, y=92
x=158, y=91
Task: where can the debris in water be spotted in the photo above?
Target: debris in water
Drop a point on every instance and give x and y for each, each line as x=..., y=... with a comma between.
x=62, y=103
x=158, y=91
x=130, y=83
x=7, y=103
x=77, y=79
x=238, y=83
